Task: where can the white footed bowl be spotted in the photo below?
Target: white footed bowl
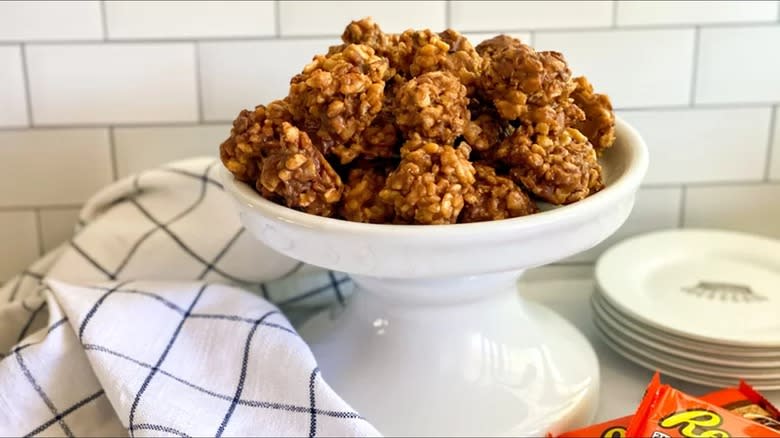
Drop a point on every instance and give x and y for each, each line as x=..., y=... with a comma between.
x=436, y=340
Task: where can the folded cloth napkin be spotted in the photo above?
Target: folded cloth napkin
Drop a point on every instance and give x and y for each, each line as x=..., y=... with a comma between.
x=160, y=318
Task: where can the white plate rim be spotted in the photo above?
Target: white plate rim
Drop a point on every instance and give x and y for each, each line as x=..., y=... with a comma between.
x=678, y=374
x=603, y=268
x=673, y=341
x=621, y=342
x=619, y=335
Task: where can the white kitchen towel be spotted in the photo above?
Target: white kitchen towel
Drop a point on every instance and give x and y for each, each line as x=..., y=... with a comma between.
x=157, y=319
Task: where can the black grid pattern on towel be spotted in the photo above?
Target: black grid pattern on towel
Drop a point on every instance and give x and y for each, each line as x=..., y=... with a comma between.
x=20, y=279
x=210, y=264
x=158, y=226
x=58, y=416
x=333, y=285
x=157, y=370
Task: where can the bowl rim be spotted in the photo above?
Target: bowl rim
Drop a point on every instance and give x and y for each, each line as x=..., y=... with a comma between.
x=625, y=184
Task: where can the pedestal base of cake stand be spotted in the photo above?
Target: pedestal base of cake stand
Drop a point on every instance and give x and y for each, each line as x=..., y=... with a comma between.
x=455, y=357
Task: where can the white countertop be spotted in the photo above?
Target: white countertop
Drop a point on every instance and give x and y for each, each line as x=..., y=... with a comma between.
x=622, y=382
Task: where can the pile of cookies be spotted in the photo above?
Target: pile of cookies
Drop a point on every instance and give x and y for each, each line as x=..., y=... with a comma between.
x=424, y=128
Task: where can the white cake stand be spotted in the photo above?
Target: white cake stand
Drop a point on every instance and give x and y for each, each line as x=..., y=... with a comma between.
x=436, y=340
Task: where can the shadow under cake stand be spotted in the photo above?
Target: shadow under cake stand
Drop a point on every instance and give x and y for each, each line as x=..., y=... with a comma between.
x=436, y=339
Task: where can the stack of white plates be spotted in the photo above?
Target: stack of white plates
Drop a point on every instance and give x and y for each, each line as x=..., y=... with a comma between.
x=699, y=305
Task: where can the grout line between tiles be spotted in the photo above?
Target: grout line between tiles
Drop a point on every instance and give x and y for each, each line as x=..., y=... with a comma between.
x=278, y=35
x=174, y=40
x=61, y=207
x=27, y=92
x=12, y=208
x=120, y=125
x=104, y=19
x=683, y=107
x=701, y=184
x=772, y=128
x=715, y=106
x=25, y=127
x=674, y=185
x=112, y=146
x=700, y=106
x=277, y=19
x=614, y=13
x=683, y=196
x=672, y=26
x=39, y=230
x=198, y=85
x=694, y=65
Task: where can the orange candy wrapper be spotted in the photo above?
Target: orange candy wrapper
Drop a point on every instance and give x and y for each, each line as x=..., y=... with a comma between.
x=666, y=412
x=747, y=403
x=609, y=429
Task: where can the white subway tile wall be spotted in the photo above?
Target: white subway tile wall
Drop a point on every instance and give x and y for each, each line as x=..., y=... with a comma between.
x=774, y=152
x=739, y=64
x=508, y=16
x=316, y=17
x=45, y=167
x=12, y=88
x=640, y=13
x=242, y=74
x=57, y=226
x=189, y=19
x=142, y=148
x=750, y=207
x=112, y=83
x=50, y=20
x=20, y=241
x=704, y=145
x=637, y=68
x=106, y=89
x=654, y=209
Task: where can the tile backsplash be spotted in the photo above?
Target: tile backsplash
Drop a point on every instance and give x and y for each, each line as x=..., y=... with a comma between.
x=93, y=91
x=644, y=67
x=100, y=84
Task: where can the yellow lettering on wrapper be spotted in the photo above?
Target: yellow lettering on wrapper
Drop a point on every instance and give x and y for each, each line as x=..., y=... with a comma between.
x=614, y=432
x=696, y=423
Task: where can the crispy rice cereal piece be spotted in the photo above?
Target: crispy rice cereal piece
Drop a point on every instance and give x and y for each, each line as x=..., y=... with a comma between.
x=429, y=184
x=560, y=169
x=433, y=105
x=361, y=201
x=599, y=121
x=486, y=49
x=380, y=140
x=423, y=51
x=557, y=115
x=337, y=96
x=557, y=82
x=254, y=133
x=365, y=31
x=462, y=59
x=495, y=197
x=485, y=130
x=516, y=79
x=296, y=173
x=416, y=52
